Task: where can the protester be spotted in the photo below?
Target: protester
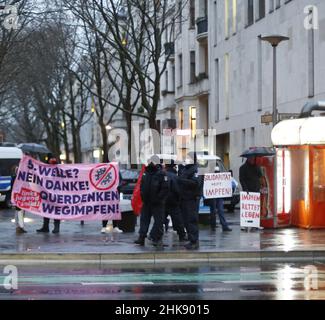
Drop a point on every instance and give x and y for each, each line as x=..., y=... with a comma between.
x=217, y=204
x=191, y=191
x=250, y=175
x=173, y=201
x=19, y=213
x=154, y=191
x=113, y=225
x=46, y=221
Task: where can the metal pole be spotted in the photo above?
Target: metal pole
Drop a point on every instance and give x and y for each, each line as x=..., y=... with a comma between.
x=275, y=111
x=275, y=120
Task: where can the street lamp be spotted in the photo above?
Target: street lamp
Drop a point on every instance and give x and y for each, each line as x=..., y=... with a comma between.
x=274, y=40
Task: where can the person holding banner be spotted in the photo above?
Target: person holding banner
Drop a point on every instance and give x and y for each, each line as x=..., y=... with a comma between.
x=113, y=225
x=19, y=213
x=154, y=191
x=215, y=205
x=46, y=221
x=250, y=175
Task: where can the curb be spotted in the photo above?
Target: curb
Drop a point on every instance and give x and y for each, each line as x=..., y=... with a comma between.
x=161, y=257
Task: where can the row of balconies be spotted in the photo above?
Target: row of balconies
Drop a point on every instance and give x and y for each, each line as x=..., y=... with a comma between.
x=202, y=34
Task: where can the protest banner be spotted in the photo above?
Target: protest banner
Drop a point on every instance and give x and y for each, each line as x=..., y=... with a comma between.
x=217, y=185
x=250, y=209
x=68, y=191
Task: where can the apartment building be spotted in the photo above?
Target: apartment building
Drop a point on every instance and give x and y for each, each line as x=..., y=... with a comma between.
x=220, y=74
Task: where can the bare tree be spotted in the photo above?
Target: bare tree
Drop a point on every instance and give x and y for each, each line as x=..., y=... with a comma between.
x=130, y=53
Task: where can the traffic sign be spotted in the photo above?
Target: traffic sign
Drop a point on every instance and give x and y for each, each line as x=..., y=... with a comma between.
x=266, y=118
x=286, y=116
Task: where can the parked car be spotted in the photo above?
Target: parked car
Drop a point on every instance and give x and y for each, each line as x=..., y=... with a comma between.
x=129, y=180
x=9, y=158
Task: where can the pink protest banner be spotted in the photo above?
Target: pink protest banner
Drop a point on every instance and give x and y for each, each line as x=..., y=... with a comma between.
x=68, y=191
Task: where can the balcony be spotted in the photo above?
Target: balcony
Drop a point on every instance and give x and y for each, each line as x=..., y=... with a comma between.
x=170, y=50
x=202, y=29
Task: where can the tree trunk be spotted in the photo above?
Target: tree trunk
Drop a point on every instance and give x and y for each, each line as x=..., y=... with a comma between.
x=104, y=142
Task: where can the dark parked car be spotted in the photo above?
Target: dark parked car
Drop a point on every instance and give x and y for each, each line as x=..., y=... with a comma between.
x=129, y=180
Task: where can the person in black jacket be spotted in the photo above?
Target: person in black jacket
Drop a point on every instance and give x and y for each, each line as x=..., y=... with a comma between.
x=173, y=202
x=190, y=186
x=46, y=221
x=154, y=190
x=250, y=175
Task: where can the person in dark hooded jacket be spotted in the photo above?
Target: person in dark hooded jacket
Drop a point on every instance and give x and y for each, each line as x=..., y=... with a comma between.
x=190, y=186
x=173, y=202
x=154, y=191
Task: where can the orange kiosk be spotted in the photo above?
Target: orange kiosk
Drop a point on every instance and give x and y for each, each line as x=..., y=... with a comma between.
x=300, y=168
x=275, y=195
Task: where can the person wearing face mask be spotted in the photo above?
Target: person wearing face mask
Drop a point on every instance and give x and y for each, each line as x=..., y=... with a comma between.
x=154, y=191
x=191, y=189
x=173, y=201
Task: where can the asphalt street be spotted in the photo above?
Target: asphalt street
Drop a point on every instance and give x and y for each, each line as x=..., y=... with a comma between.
x=169, y=282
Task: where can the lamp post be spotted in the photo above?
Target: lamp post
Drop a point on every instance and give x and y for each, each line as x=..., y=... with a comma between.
x=274, y=40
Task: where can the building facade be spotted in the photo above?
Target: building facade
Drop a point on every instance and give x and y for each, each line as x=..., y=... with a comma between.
x=224, y=71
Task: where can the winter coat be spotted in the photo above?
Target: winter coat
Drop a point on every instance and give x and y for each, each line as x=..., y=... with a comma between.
x=190, y=183
x=154, y=185
x=174, y=194
x=249, y=177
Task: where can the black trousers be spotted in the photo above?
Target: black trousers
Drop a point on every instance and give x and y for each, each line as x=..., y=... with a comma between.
x=175, y=213
x=157, y=211
x=190, y=213
x=46, y=222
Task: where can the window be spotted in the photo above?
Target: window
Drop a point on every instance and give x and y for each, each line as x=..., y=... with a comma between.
x=278, y=4
x=192, y=14
x=261, y=9
x=311, y=57
x=181, y=118
x=227, y=83
x=259, y=74
x=166, y=80
x=215, y=9
x=271, y=6
x=180, y=60
x=173, y=78
x=252, y=136
x=250, y=12
x=234, y=16
x=193, y=120
x=227, y=19
x=192, y=66
x=217, y=97
x=179, y=18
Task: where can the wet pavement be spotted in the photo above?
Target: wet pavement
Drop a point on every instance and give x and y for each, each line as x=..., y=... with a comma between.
x=211, y=281
x=75, y=238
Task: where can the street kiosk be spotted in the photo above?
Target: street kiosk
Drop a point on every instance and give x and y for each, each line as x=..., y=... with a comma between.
x=300, y=168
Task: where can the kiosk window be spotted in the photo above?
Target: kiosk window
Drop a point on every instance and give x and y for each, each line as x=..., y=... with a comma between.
x=319, y=175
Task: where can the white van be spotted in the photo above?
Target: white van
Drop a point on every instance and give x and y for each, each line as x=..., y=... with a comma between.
x=9, y=158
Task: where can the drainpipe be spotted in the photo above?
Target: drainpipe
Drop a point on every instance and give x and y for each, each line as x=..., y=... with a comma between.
x=310, y=107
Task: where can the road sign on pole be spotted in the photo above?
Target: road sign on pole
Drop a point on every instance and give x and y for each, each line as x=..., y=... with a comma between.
x=266, y=118
x=286, y=116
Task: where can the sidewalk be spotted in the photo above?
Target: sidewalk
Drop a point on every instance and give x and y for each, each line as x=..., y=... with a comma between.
x=87, y=244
